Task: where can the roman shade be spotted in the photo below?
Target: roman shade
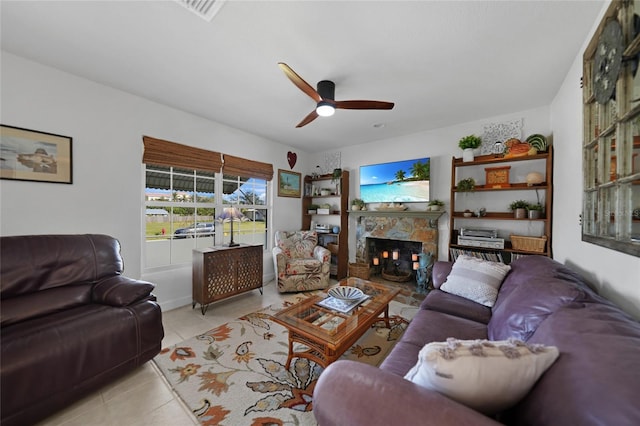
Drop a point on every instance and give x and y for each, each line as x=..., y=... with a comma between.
x=165, y=153
x=247, y=168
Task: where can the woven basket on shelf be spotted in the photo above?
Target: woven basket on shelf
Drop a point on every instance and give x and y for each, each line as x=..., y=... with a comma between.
x=333, y=248
x=359, y=270
x=534, y=244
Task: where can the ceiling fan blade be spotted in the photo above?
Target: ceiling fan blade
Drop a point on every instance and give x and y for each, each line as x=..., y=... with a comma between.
x=364, y=105
x=308, y=119
x=298, y=81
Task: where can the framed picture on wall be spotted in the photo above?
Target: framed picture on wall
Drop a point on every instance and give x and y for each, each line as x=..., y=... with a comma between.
x=289, y=183
x=36, y=156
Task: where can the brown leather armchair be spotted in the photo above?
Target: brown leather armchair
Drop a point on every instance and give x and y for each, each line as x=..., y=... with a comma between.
x=69, y=322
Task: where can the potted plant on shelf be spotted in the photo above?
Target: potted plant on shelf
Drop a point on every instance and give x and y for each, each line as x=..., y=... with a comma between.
x=357, y=204
x=335, y=179
x=467, y=144
x=312, y=209
x=435, y=205
x=535, y=211
x=466, y=185
x=519, y=208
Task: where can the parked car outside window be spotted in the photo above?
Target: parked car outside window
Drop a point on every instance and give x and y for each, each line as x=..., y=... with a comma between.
x=205, y=229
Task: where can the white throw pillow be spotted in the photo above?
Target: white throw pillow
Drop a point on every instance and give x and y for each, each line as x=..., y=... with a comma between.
x=488, y=376
x=476, y=279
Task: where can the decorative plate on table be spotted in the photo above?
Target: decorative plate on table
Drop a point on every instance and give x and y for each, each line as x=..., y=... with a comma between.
x=346, y=293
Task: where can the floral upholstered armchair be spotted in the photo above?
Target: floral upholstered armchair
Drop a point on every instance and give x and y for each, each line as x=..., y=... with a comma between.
x=300, y=263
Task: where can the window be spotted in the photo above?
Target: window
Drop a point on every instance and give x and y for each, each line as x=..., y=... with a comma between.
x=180, y=214
x=190, y=204
x=611, y=145
x=245, y=202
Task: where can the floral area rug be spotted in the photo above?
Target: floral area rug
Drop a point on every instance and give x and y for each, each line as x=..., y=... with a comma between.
x=235, y=374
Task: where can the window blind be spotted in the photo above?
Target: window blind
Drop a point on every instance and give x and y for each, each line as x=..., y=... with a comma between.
x=247, y=168
x=165, y=153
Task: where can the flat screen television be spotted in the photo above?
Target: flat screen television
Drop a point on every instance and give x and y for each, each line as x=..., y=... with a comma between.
x=396, y=182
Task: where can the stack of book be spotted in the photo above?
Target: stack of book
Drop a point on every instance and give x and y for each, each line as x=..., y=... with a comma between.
x=486, y=255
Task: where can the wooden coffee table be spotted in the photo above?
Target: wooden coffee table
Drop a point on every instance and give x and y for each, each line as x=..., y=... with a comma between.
x=327, y=334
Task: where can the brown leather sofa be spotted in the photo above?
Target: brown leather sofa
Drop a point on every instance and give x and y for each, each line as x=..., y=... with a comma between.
x=69, y=322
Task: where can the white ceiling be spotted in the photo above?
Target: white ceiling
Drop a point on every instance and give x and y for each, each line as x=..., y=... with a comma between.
x=442, y=63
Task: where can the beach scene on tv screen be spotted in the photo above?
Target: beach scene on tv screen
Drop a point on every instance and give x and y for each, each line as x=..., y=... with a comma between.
x=396, y=182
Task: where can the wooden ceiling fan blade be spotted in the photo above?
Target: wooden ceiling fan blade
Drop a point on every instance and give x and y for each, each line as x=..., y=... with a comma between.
x=298, y=81
x=364, y=105
x=308, y=119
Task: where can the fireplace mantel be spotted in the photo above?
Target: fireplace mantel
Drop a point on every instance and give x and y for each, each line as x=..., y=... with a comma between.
x=431, y=215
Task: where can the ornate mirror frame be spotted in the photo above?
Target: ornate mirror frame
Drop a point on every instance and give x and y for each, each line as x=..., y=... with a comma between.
x=611, y=132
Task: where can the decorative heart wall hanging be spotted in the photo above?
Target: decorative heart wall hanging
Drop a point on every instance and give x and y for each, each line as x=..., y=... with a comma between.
x=292, y=157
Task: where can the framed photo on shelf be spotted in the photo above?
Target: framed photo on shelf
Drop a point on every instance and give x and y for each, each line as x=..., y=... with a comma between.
x=289, y=183
x=35, y=156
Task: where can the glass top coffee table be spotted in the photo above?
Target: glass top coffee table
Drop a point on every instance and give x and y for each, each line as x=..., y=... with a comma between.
x=327, y=333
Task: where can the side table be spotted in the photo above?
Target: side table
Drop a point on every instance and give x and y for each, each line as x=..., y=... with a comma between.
x=222, y=272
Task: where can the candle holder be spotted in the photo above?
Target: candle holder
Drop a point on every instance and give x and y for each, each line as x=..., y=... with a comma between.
x=375, y=268
x=391, y=267
x=422, y=271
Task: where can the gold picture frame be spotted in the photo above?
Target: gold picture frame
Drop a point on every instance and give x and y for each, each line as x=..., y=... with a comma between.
x=289, y=183
x=35, y=156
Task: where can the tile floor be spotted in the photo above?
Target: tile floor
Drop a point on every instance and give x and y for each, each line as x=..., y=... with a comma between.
x=143, y=397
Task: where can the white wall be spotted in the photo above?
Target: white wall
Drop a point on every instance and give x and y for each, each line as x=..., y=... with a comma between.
x=107, y=193
x=615, y=275
x=440, y=145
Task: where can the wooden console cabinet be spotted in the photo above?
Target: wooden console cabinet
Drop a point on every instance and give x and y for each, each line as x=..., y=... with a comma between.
x=222, y=272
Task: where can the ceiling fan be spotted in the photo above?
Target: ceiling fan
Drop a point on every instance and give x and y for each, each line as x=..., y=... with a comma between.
x=325, y=97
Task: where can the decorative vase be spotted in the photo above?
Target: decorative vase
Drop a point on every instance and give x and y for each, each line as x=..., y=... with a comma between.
x=467, y=155
x=520, y=213
x=534, y=214
x=355, y=207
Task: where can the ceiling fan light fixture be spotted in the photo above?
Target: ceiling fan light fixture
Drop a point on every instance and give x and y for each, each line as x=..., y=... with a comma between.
x=325, y=109
x=325, y=99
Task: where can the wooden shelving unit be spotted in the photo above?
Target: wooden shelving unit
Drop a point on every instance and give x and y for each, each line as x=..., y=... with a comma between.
x=337, y=216
x=501, y=219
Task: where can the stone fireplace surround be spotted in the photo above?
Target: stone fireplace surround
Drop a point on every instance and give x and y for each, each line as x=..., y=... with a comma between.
x=420, y=227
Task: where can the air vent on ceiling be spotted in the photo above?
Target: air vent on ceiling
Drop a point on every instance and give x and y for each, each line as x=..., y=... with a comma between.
x=206, y=9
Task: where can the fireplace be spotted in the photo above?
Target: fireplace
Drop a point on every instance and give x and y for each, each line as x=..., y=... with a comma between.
x=393, y=258
x=415, y=227
x=413, y=235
